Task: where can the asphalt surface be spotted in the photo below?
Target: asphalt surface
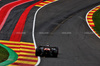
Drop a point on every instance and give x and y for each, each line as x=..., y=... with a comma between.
x=61, y=24
x=3, y=2
x=12, y=20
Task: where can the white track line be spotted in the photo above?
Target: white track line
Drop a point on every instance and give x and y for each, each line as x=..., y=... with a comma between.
x=39, y=60
x=88, y=23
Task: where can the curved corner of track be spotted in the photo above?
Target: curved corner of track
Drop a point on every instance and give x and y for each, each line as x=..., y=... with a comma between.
x=23, y=52
x=89, y=19
x=41, y=5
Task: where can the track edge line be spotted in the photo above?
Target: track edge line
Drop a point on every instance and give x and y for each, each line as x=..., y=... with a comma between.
x=34, y=20
x=88, y=23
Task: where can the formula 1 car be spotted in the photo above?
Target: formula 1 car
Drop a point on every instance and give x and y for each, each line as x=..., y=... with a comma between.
x=46, y=51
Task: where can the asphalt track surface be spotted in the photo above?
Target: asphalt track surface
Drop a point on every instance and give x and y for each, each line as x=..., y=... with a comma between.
x=61, y=24
x=11, y=22
x=3, y=2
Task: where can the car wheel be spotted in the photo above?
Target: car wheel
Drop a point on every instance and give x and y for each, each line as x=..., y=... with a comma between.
x=55, y=52
x=37, y=52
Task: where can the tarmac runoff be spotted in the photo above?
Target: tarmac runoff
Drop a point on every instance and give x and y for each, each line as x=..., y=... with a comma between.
x=6, y=9
x=89, y=19
x=25, y=52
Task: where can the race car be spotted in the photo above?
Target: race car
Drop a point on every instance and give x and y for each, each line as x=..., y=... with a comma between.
x=47, y=51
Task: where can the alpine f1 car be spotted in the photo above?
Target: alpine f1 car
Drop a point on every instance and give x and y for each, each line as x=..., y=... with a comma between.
x=47, y=51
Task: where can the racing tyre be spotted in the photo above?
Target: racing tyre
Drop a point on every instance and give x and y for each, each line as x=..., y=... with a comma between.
x=55, y=52
x=37, y=52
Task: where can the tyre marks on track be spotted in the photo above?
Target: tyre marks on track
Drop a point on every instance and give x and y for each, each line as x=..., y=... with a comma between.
x=6, y=9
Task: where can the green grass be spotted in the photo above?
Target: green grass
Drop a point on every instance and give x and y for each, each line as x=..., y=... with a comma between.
x=3, y=54
x=96, y=19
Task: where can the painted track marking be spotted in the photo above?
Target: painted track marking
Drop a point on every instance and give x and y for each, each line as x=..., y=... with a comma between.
x=34, y=27
x=25, y=56
x=6, y=9
x=18, y=30
x=89, y=19
x=26, y=53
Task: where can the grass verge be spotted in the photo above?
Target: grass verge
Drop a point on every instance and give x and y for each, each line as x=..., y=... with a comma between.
x=3, y=54
x=96, y=20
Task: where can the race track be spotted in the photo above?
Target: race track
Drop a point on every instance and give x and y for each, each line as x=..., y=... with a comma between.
x=63, y=25
x=60, y=24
